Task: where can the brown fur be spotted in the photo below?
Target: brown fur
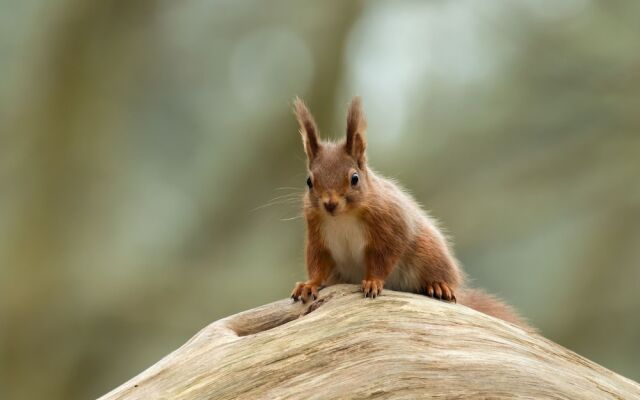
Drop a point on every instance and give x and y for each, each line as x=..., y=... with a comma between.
x=401, y=243
x=491, y=305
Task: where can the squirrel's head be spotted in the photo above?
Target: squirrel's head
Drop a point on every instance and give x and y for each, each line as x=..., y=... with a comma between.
x=338, y=178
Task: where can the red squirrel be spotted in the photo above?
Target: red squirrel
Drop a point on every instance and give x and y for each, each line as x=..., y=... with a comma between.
x=363, y=228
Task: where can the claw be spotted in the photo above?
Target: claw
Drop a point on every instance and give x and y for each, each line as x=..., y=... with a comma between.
x=372, y=288
x=446, y=293
x=429, y=290
x=303, y=291
x=440, y=290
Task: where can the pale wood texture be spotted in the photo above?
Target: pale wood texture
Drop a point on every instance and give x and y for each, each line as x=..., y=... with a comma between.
x=399, y=345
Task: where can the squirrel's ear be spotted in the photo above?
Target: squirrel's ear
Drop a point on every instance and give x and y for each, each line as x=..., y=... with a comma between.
x=308, y=129
x=356, y=127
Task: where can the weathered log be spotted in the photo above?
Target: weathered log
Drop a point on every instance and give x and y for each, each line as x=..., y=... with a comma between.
x=399, y=345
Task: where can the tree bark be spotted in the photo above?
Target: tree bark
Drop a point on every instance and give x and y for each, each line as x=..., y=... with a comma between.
x=399, y=345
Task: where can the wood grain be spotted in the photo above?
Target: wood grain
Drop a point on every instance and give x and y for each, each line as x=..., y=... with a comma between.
x=397, y=346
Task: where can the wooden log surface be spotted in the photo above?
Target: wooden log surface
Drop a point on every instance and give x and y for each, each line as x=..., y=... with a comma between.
x=399, y=345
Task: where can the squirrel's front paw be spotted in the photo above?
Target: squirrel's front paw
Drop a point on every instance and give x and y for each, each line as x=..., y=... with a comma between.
x=305, y=291
x=372, y=287
x=440, y=290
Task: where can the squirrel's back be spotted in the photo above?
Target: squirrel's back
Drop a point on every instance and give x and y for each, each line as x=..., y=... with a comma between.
x=421, y=224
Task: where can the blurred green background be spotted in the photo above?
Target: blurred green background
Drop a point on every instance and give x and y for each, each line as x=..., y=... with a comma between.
x=150, y=165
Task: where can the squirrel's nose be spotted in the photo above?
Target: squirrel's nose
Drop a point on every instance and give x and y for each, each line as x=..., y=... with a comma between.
x=330, y=206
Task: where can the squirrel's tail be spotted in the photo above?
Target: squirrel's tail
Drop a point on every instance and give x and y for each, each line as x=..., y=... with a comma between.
x=491, y=305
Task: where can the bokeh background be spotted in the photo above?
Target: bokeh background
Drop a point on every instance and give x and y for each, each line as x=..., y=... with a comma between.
x=150, y=165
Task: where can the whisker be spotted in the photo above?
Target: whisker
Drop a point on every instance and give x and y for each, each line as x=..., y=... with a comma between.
x=286, y=199
x=290, y=218
x=286, y=196
x=271, y=205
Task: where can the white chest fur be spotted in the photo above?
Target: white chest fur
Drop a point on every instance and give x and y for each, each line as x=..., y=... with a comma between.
x=344, y=237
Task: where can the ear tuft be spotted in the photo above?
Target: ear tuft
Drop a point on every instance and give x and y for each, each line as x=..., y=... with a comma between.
x=356, y=143
x=308, y=129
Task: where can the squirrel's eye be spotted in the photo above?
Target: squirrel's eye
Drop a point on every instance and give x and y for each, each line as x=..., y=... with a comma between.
x=354, y=179
x=309, y=183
